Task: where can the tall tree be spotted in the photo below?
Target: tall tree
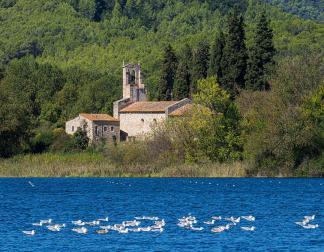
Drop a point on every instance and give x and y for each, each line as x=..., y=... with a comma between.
x=101, y=6
x=200, y=64
x=260, y=56
x=234, y=58
x=169, y=66
x=216, y=56
x=182, y=83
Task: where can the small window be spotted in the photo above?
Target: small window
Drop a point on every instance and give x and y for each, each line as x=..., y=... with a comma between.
x=112, y=129
x=96, y=130
x=105, y=128
x=154, y=120
x=142, y=120
x=72, y=128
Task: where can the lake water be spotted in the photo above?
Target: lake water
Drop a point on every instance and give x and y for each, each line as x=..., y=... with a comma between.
x=276, y=204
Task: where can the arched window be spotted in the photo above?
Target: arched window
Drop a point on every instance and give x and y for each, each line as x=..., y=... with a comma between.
x=142, y=120
x=154, y=121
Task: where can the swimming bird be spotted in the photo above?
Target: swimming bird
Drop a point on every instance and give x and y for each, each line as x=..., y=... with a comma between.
x=105, y=219
x=196, y=228
x=78, y=223
x=153, y=218
x=248, y=218
x=216, y=217
x=248, y=228
x=32, y=185
x=49, y=221
x=102, y=231
x=160, y=223
x=38, y=224
x=234, y=220
x=30, y=233
x=218, y=229
x=92, y=223
x=212, y=222
x=81, y=230
x=131, y=223
x=54, y=228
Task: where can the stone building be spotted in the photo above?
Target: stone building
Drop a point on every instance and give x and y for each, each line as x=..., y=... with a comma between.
x=135, y=113
x=99, y=127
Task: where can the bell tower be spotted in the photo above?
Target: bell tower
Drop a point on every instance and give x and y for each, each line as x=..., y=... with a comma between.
x=133, y=86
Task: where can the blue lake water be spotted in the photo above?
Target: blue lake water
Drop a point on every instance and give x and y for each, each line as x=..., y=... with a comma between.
x=276, y=203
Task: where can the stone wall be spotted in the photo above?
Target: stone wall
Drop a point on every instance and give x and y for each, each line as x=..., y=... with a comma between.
x=176, y=106
x=139, y=124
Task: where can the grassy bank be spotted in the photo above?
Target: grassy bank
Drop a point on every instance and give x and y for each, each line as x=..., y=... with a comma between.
x=96, y=165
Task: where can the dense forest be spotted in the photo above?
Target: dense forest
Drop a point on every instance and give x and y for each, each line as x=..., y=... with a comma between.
x=62, y=57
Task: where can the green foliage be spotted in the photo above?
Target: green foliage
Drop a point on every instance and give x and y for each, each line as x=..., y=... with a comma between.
x=200, y=64
x=81, y=140
x=216, y=122
x=261, y=55
x=234, y=58
x=216, y=56
x=183, y=81
x=169, y=66
x=279, y=132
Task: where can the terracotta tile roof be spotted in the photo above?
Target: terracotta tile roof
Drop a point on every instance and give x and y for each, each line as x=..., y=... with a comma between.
x=182, y=110
x=99, y=117
x=147, y=107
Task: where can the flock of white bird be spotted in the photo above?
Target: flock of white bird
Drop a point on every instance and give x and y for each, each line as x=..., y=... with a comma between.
x=189, y=221
x=82, y=227
x=157, y=224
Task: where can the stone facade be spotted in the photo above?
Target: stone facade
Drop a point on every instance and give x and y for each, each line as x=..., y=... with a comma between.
x=99, y=127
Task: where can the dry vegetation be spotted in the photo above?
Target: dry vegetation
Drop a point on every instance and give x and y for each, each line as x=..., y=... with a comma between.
x=96, y=165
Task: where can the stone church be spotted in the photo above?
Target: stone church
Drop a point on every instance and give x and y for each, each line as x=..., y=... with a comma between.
x=135, y=113
x=133, y=116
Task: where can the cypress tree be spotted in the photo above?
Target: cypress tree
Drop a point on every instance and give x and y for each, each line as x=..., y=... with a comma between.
x=169, y=66
x=182, y=82
x=234, y=60
x=101, y=6
x=200, y=64
x=260, y=56
x=216, y=56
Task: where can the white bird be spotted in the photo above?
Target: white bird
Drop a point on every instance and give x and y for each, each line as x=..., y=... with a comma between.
x=310, y=226
x=78, y=223
x=160, y=223
x=38, y=224
x=232, y=219
x=81, y=230
x=54, y=228
x=153, y=218
x=92, y=223
x=105, y=219
x=32, y=185
x=248, y=228
x=248, y=218
x=216, y=217
x=302, y=223
x=196, y=228
x=212, y=222
x=49, y=221
x=134, y=223
x=123, y=231
x=32, y=232
x=218, y=229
